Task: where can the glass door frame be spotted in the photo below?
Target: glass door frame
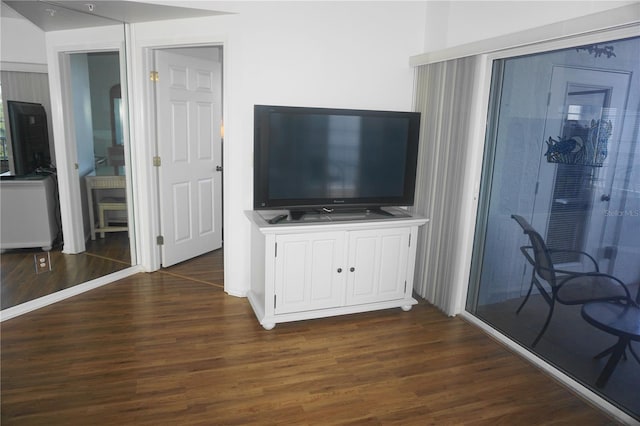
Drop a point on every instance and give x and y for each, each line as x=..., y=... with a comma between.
x=479, y=178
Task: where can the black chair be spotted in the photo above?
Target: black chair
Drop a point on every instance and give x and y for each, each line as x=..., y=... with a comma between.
x=565, y=287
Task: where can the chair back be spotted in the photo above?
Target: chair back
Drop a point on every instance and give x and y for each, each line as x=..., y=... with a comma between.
x=542, y=259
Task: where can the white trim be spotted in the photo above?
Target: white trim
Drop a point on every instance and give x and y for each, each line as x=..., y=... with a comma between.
x=49, y=299
x=23, y=67
x=471, y=185
x=142, y=107
x=576, y=387
x=621, y=17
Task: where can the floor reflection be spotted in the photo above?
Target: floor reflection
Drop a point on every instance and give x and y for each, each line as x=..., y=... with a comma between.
x=21, y=282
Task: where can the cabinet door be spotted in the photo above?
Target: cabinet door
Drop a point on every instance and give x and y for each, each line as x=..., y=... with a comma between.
x=309, y=272
x=377, y=265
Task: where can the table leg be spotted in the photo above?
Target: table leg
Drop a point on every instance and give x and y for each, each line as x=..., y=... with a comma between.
x=616, y=354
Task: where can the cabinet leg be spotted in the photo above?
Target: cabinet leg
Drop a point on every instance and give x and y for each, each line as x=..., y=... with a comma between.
x=269, y=326
x=407, y=308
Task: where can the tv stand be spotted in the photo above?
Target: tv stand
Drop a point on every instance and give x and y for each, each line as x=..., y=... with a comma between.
x=303, y=270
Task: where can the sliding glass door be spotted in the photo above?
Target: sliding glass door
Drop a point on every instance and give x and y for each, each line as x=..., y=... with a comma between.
x=562, y=156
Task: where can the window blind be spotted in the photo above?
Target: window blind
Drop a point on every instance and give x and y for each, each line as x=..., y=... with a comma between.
x=443, y=95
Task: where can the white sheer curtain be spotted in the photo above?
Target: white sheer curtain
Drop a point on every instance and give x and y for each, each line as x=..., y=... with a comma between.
x=444, y=96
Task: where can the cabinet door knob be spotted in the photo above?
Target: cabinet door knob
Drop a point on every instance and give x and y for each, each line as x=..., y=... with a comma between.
x=352, y=269
x=339, y=270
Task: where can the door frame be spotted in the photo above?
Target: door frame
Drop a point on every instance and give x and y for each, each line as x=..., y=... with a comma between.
x=62, y=121
x=144, y=112
x=474, y=216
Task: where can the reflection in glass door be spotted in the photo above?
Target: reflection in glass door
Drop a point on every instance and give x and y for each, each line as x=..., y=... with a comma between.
x=562, y=154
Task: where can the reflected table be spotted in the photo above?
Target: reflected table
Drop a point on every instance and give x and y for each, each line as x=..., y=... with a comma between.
x=620, y=320
x=104, y=204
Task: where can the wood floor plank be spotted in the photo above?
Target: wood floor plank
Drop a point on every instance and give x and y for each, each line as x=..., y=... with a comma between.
x=158, y=348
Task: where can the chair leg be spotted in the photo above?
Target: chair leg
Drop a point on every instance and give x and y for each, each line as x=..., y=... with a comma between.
x=546, y=323
x=102, y=220
x=526, y=297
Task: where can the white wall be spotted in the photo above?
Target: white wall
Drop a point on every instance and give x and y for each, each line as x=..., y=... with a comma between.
x=453, y=23
x=104, y=73
x=81, y=96
x=20, y=40
x=330, y=54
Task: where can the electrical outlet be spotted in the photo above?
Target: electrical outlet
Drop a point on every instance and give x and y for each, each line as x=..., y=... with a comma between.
x=42, y=261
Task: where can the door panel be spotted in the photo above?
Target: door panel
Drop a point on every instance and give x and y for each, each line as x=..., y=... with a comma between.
x=189, y=118
x=379, y=262
x=306, y=275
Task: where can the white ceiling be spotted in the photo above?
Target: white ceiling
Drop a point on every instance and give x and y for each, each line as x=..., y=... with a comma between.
x=66, y=15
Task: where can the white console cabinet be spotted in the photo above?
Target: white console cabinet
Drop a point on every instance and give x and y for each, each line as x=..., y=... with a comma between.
x=28, y=208
x=323, y=267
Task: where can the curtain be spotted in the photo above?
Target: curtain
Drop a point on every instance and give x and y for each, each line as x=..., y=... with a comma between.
x=444, y=96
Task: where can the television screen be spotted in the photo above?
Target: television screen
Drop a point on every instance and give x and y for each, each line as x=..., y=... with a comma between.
x=29, y=137
x=319, y=157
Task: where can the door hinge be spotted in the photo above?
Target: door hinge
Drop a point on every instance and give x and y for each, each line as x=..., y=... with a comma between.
x=156, y=161
x=537, y=186
x=160, y=240
x=405, y=287
x=276, y=250
x=274, y=301
x=153, y=76
x=409, y=240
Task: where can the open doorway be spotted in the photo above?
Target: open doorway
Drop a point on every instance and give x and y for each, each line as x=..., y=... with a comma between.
x=96, y=99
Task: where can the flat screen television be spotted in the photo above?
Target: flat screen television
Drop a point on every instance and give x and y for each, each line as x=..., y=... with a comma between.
x=308, y=159
x=29, y=137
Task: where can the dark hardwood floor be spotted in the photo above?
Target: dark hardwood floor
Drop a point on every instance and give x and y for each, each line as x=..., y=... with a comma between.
x=167, y=348
x=19, y=281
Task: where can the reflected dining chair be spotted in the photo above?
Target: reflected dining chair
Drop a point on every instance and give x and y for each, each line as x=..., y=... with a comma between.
x=562, y=286
x=105, y=204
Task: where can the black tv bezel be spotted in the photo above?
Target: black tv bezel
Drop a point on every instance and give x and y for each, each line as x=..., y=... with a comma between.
x=261, y=200
x=24, y=166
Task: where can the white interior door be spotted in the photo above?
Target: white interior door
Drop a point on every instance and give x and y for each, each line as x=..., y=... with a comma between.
x=189, y=113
